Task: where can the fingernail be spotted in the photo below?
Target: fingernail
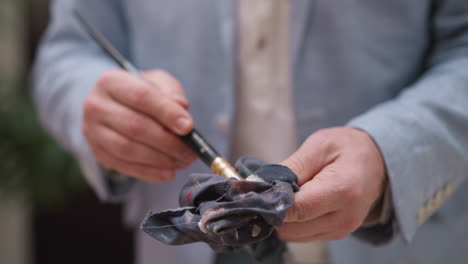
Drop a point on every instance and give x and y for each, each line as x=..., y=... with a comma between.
x=182, y=124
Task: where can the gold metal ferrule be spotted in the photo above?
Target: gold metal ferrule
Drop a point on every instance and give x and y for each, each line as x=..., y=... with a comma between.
x=221, y=167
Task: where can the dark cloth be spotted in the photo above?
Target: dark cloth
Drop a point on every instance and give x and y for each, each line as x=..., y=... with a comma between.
x=228, y=214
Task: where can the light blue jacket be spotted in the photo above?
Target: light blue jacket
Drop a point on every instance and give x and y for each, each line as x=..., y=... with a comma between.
x=396, y=69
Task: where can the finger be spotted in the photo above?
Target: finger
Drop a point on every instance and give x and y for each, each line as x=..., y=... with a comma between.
x=314, y=154
x=139, y=95
x=329, y=236
x=332, y=226
x=323, y=236
x=167, y=84
x=142, y=172
x=308, y=230
x=316, y=197
x=131, y=151
x=311, y=238
x=146, y=131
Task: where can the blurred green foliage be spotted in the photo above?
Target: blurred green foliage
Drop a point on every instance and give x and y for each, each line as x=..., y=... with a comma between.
x=30, y=162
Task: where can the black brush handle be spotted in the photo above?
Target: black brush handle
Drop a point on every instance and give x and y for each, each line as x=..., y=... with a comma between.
x=199, y=144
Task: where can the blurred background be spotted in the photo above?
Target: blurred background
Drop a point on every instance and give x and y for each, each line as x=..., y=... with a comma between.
x=47, y=212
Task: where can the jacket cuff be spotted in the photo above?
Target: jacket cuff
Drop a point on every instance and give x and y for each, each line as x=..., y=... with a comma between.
x=378, y=228
x=380, y=214
x=407, y=159
x=109, y=185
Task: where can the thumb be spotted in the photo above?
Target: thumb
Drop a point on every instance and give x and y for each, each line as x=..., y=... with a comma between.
x=314, y=154
x=168, y=85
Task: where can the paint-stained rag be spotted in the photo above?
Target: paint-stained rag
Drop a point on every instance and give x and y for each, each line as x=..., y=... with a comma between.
x=227, y=213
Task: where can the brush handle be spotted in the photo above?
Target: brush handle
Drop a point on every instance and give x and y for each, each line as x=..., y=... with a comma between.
x=204, y=150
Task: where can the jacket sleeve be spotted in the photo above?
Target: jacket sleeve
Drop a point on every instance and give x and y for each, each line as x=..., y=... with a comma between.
x=423, y=133
x=67, y=67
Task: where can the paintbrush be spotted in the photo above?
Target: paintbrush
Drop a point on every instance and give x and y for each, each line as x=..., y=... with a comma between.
x=194, y=139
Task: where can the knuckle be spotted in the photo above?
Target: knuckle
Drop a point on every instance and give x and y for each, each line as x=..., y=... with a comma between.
x=91, y=106
x=352, y=194
x=135, y=127
x=139, y=95
x=156, y=75
x=325, y=139
x=176, y=84
x=107, y=78
x=171, y=82
x=124, y=146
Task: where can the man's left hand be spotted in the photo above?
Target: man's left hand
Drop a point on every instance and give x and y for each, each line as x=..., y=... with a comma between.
x=341, y=174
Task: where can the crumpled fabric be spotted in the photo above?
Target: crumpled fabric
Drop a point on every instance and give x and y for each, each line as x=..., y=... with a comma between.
x=228, y=214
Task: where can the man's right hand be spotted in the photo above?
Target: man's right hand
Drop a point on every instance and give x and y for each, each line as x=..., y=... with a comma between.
x=132, y=125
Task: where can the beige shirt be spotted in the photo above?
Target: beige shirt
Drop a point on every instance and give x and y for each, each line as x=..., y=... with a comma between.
x=264, y=110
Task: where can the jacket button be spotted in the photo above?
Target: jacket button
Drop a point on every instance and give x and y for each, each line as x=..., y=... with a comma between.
x=448, y=190
x=432, y=206
x=439, y=198
x=422, y=215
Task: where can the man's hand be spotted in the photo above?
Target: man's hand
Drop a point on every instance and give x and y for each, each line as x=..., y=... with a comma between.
x=341, y=173
x=131, y=124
